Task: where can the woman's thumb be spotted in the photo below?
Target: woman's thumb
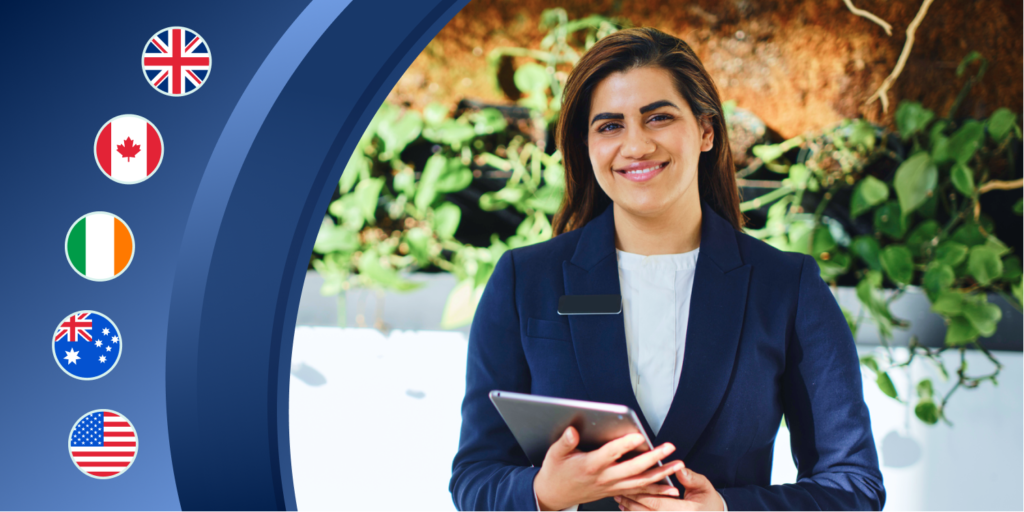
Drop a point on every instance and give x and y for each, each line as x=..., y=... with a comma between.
x=569, y=439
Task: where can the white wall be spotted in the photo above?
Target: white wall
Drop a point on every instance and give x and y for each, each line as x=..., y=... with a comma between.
x=375, y=423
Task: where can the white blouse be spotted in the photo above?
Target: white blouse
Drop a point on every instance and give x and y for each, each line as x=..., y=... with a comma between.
x=655, y=308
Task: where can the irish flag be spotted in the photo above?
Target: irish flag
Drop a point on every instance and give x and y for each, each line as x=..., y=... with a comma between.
x=99, y=246
x=129, y=149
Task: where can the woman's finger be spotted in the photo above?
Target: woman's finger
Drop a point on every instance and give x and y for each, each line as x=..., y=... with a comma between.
x=657, y=489
x=655, y=474
x=625, y=503
x=613, y=450
x=641, y=462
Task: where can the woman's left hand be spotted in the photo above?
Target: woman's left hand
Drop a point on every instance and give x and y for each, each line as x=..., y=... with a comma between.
x=699, y=495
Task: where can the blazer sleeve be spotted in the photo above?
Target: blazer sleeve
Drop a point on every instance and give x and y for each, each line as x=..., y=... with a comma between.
x=829, y=425
x=490, y=470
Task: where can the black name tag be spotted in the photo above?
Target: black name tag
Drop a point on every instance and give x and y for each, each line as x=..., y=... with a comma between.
x=589, y=304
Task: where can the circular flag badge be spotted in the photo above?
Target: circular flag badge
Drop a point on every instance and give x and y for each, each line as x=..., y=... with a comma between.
x=87, y=345
x=103, y=444
x=128, y=149
x=176, y=61
x=99, y=246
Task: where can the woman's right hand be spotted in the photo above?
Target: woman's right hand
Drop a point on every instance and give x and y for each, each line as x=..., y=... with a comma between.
x=568, y=476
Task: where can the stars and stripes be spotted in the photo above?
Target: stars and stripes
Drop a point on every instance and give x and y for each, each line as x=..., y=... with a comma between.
x=176, y=61
x=103, y=444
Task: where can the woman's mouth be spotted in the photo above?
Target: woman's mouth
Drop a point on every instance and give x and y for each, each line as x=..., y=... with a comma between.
x=642, y=171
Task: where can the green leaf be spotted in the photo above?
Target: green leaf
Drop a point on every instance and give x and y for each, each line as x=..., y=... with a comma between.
x=1000, y=123
x=960, y=331
x=548, y=199
x=358, y=165
x=937, y=278
x=1016, y=289
x=867, y=249
x=898, y=263
x=863, y=135
x=983, y=315
x=371, y=268
x=925, y=390
x=890, y=221
x=531, y=78
x=823, y=241
x=398, y=130
x=405, y=182
x=869, y=192
x=419, y=245
x=968, y=234
x=367, y=196
x=984, y=264
x=451, y=132
x=920, y=240
x=851, y=322
x=911, y=118
x=870, y=362
x=333, y=238
x=1018, y=207
x=948, y=303
x=347, y=209
x=963, y=179
x=461, y=304
x=1011, y=269
x=434, y=113
x=455, y=178
x=969, y=58
x=489, y=120
x=915, y=179
x=996, y=245
x=885, y=384
x=927, y=411
x=768, y=152
x=446, y=220
x=965, y=141
x=951, y=253
x=432, y=172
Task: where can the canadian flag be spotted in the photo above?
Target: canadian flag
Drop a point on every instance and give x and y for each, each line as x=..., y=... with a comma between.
x=129, y=149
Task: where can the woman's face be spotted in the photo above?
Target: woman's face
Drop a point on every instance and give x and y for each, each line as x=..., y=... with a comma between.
x=644, y=142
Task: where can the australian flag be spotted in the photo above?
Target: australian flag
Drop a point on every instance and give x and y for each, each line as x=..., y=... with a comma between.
x=86, y=345
x=176, y=61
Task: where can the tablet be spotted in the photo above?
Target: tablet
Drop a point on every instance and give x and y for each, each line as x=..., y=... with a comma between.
x=538, y=421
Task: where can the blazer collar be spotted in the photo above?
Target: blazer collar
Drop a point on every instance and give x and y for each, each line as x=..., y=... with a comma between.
x=717, y=304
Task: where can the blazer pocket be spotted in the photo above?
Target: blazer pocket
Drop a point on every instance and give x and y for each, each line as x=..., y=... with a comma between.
x=547, y=329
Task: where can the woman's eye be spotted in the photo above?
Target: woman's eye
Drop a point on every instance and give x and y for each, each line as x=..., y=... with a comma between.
x=604, y=128
x=661, y=117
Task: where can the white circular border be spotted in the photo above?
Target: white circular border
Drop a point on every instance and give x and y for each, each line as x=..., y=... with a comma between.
x=120, y=350
x=163, y=150
x=142, y=61
x=68, y=256
x=130, y=424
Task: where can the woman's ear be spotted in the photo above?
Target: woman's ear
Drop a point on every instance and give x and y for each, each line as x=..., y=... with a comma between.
x=707, y=139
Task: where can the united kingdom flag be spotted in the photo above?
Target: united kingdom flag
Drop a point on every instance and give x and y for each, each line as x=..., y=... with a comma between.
x=176, y=61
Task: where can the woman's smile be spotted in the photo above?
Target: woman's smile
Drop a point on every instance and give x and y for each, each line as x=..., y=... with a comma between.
x=642, y=171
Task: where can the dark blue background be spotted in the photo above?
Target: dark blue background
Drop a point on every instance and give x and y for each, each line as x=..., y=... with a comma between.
x=223, y=232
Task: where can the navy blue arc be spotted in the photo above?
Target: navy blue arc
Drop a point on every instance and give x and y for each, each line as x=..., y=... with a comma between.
x=250, y=233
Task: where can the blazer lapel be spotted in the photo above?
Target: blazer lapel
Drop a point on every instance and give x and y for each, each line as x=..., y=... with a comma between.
x=600, y=340
x=717, y=303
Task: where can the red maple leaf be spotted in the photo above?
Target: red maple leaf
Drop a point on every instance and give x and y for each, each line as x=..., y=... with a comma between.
x=128, y=148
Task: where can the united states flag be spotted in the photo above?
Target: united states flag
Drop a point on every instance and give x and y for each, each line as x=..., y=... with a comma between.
x=176, y=61
x=103, y=444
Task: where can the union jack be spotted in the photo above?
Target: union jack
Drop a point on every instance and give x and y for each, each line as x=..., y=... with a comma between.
x=176, y=61
x=73, y=326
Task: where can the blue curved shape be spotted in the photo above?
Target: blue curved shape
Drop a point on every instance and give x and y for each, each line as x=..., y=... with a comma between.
x=250, y=232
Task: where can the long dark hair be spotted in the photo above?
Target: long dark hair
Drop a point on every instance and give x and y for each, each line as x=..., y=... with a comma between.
x=629, y=49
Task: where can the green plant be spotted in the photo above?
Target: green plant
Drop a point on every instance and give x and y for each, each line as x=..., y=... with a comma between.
x=926, y=230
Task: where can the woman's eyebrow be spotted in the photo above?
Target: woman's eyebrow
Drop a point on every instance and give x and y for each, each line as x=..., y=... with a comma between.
x=644, y=109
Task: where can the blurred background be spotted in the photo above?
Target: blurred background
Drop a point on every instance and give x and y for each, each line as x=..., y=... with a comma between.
x=882, y=138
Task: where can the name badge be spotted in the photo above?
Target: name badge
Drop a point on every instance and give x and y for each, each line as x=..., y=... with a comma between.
x=589, y=304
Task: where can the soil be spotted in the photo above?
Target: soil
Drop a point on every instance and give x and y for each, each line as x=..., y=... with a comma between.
x=800, y=65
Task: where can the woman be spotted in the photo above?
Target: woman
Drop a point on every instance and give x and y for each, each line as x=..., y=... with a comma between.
x=720, y=334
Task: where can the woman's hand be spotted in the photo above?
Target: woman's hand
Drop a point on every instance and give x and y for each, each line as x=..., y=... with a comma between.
x=568, y=476
x=700, y=495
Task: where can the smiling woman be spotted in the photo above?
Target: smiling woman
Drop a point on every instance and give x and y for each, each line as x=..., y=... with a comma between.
x=651, y=215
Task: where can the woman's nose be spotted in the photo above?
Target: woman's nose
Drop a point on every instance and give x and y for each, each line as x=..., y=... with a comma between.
x=637, y=144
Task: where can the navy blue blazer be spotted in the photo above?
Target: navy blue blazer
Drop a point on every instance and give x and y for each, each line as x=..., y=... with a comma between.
x=765, y=337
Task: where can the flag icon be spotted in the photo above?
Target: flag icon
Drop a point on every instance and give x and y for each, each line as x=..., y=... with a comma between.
x=103, y=444
x=128, y=149
x=99, y=246
x=87, y=345
x=176, y=61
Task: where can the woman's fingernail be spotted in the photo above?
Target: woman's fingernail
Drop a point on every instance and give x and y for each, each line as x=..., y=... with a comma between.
x=667, y=448
x=618, y=499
